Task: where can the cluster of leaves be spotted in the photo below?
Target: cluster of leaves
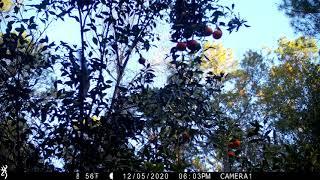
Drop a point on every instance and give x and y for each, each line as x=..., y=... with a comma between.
x=190, y=17
x=5, y=5
x=177, y=117
x=304, y=14
x=218, y=59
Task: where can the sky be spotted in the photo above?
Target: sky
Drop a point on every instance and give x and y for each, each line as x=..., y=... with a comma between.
x=267, y=23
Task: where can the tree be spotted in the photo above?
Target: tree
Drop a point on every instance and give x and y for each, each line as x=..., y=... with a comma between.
x=185, y=127
x=178, y=115
x=217, y=59
x=92, y=83
x=279, y=98
x=23, y=60
x=304, y=14
x=89, y=86
x=5, y=5
x=294, y=82
x=29, y=154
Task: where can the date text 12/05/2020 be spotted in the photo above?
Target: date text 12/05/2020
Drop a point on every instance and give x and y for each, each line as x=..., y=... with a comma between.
x=185, y=176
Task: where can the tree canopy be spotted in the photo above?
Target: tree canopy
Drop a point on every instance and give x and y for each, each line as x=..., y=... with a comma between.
x=304, y=14
x=76, y=108
x=89, y=115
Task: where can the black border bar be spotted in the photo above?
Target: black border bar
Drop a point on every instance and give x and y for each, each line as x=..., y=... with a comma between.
x=164, y=176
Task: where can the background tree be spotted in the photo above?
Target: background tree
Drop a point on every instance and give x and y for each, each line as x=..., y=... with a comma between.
x=298, y=120
x=276, y=95
x=218, y=59
x=6, y=5
x=304, y=14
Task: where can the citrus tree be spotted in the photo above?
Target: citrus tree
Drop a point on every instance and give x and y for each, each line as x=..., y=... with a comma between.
x=180, y=117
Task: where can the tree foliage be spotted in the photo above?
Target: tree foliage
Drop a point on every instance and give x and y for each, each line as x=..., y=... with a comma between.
x=218, y=59
x=279, y=98
x=304, y=14
x=5, y=5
